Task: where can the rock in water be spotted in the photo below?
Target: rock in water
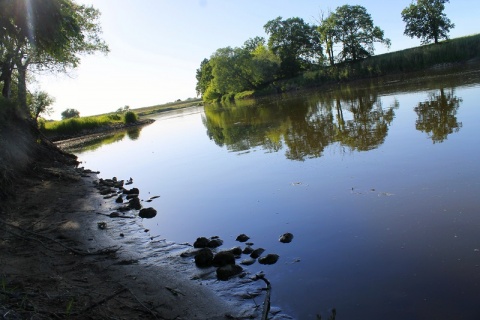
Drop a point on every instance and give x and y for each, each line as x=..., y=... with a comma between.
x=215, y=243
x=147, y=213
x=257, y=253
x=201, y=242
x=242, y=238
x=204, y=258
x=228, y=271
x=223, y=258
x=269, y=259
x=135, y=204
x=247, y=262
x=286, y=237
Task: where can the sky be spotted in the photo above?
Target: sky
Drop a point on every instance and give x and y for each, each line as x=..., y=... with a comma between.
x=157, y=45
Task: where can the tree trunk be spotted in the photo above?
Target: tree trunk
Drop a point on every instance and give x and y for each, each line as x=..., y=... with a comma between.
x=6, y=77
x=22, y=86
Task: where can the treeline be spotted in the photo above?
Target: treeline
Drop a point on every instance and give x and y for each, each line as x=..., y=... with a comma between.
x=341, y=47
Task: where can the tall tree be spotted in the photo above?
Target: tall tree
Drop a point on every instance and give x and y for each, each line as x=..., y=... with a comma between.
x=41, y=103
x=295, y=42
x=353, y=27
x=327, y=35
x=46, y=35
x=426, y=20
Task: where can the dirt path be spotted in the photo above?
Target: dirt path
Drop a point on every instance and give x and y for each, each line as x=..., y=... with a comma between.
x=56, y=263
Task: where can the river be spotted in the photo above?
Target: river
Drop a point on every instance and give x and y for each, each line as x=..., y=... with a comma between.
x=378, y=182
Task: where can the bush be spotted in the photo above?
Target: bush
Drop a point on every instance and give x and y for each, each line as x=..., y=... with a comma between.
x=130, y=117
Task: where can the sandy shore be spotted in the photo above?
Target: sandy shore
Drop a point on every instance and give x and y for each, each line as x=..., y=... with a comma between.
x=56, y=262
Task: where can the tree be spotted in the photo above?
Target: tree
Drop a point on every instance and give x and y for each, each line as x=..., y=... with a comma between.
x=70, y=113
x=41, y=103
x=295, y=42
x=327, y=35
x=45, y=35
x=427, y=21
x=352, y=26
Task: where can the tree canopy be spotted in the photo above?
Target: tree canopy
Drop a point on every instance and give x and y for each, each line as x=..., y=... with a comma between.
x=426, y=20
x=295, y=42
x=44, y=35
x=353, y=28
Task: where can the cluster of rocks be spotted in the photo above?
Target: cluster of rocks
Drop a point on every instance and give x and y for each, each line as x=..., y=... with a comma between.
x=128, y=199
x=225, y=260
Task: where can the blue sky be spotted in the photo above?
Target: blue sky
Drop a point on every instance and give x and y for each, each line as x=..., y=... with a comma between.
x=157, y=45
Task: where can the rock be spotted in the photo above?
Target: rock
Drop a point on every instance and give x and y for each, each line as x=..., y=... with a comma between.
x=119, y=199
x=114, y=214
x=237, y=251
x=131, y=191
x=269, y=259
x=102, y=225
x=201, y=242
x=131, y=196
x=247, y=250
x=257, y=253
x=135, y=204
x=223, y=258
x=204, y=258
x=147, y=213
x=228, y=271
x=242, y=238
x=105, y=191
x=214, y=243
x=286, y=237
x=247, y=262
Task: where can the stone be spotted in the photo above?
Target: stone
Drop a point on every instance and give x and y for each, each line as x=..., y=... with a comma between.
x=286, y=237
x=226, y=272
x=119, y=199
x=247, y=262
x=223, y=258
x=135, y=204
x=147, y=213
x=204, y=258
x=131, y=191
x=243, y=237
x=237, y=251
x=247, y=250
x=270, y=258
x=131, y=196
x=201, y=242
x=257, y=253
x=214, y=243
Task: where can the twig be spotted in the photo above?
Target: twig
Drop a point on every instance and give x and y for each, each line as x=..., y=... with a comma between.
x=266, y=303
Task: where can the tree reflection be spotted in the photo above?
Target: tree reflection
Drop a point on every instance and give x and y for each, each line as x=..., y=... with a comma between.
x=437, y=116
x=304, y=126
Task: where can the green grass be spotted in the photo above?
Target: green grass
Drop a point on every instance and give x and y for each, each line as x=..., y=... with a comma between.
x=75, y=126
x=146, y=111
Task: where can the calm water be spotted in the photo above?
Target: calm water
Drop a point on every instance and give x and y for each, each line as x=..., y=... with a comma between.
x=379, y=184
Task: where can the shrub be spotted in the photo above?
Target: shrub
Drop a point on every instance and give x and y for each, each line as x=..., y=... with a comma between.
x=130, y=117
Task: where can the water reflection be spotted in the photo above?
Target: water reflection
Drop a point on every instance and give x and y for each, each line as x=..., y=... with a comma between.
x=305, y=126
x=92, y=144
x=437, y=115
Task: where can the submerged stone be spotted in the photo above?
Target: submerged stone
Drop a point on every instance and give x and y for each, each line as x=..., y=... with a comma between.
x=215, y=243
x=286, y=237
x=147, y=213
x=228, y=271
x=247, y=262
x=201, y=242
x=257, y=253
x=242, y=238
x=223, y=258
x=269, y=259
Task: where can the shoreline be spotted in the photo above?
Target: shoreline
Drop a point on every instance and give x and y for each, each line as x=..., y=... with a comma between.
x=56, y=257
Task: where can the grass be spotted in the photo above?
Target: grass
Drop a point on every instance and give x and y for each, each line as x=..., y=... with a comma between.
x=147, y=111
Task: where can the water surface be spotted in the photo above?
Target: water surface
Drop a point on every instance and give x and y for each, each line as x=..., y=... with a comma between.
x=379, y=184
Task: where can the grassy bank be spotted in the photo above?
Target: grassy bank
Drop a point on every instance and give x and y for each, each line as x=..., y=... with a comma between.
x=147, y=111
x=78, y=126
x=445, y=53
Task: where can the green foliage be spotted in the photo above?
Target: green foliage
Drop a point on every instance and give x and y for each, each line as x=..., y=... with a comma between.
x=353, y=28
x=76, y=126
x=40, y=104
x=130, y=117
x=70, y=113
x=295, y=42
x=427, y=21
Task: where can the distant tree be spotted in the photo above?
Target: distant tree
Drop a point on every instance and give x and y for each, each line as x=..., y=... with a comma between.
x=353, y=27
x=426, y=20
x=124, y=109
x=204, y=77
x=40, y=104
x=70, y=113
x=295, y=42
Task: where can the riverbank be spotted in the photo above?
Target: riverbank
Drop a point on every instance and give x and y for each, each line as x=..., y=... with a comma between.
x=63, y=255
